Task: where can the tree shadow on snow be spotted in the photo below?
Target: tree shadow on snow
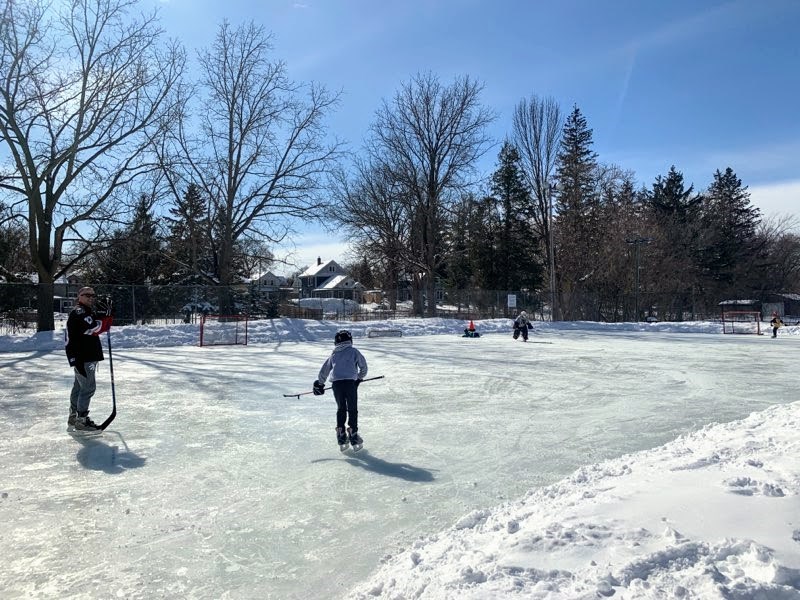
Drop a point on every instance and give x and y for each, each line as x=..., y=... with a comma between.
x=97, y=455
x=367, y=461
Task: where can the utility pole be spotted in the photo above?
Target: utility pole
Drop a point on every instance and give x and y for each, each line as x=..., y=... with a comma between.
x=637, y=241
x=551, y=252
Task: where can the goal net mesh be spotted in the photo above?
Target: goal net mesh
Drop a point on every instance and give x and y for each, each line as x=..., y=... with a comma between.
x=741, y=321
x=374, y=332
x=223, y=330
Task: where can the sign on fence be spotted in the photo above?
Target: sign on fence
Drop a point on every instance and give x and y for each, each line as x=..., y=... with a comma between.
x=512, y=301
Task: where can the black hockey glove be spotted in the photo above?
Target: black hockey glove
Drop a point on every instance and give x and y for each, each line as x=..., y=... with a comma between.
x=104, y=306
x=319, y=388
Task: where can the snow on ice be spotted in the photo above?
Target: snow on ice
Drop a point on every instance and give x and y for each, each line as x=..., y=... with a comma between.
x=630, y=460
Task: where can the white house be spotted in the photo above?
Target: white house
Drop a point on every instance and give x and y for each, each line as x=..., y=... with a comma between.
x=328, y=280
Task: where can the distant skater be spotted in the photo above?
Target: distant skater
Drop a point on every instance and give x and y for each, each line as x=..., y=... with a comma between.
x=470, y=331
x=776, y=324
x=521, y=325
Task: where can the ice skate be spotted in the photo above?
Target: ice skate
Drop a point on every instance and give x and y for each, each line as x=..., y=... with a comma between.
x=355, y=440
x=341, y=439
x=85, y=426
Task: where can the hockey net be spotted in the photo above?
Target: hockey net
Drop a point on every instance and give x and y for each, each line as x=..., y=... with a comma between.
x=374, y=332
x=223, y=330
x=741, y=321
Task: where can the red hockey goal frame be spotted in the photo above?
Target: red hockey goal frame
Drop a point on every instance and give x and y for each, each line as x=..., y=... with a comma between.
x=741, y=321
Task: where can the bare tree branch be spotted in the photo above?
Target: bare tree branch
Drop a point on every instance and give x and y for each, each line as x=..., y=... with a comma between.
x=83, y=89
x=260, y=151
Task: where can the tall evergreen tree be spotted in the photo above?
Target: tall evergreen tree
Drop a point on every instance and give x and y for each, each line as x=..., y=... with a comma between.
x=576, y=214
x=460, y=239
x=517, y=261
x=134, y=254
x=675, y=211
x=729, y=229
x=190, y=248
x=486, y=226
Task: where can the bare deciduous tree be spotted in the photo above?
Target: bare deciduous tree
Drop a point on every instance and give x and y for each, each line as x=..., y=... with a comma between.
x=84, y=86
x=428, y=140
x=257, y=147
x=536, y=132
x=368, y=206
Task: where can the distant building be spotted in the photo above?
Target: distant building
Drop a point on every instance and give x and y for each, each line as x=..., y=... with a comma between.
x=268, y=282
x=328, y=280
x=783, y=304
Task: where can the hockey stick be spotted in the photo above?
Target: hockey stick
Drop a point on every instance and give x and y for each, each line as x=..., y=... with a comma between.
x=327, y=388
x=113, y=414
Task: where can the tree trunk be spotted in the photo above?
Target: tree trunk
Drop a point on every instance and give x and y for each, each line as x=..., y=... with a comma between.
x=44, y=304
x=431, y=292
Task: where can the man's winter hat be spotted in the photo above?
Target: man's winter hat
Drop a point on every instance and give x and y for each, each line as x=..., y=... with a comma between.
x=342, y=336
x=523, y=314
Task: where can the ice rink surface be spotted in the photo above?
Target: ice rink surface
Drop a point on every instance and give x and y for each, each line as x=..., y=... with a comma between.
x=210, y=484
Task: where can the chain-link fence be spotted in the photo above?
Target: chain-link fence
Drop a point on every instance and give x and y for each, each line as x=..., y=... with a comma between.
x=171, y=304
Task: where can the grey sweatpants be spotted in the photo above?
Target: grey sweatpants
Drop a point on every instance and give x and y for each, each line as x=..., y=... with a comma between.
x=83, y=389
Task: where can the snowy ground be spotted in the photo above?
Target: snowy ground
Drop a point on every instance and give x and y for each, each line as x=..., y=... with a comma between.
x=210, y=484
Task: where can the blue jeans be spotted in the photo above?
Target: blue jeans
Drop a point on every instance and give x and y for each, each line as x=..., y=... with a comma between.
x=83, y=389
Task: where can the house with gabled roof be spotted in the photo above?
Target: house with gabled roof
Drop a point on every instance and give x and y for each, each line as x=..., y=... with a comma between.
x=268, y=281
x=328, y=280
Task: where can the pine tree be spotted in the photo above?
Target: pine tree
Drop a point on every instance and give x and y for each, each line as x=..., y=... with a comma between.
x=133, y=256
x=729, y=229
x=485, y=231
x=190, y=245
x=675, y=211
x=460, y=239
x=517, y=261
x=577, y=215
x=576, y=167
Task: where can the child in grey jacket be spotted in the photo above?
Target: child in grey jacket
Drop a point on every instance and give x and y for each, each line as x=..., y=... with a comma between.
x=346, y=367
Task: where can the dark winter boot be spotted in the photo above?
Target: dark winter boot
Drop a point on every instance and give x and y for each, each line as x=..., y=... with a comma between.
x=85, y=424
x=341, y=437
x=355, y=440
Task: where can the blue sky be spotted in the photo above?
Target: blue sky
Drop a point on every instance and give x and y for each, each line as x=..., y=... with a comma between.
x=699, y=84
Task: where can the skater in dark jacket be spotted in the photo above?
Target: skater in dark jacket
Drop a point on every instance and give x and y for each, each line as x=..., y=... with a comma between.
x=84, y=351
x=346, y=368
x=470, y=331
x=776, y=324
x=521, y=326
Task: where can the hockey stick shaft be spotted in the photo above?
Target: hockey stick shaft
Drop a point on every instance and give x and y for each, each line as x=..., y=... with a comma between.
x=113, y=414
x=329, y=387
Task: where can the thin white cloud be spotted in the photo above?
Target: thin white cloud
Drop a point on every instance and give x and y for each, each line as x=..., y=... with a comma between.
x=697, y=25
x=777, y=199
x=773, y=158
x=305, y=249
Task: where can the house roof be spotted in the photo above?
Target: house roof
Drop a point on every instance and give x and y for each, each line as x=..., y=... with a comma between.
x=261, y=277
x=315, y=269
x=337, y=281
x=734, y=302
